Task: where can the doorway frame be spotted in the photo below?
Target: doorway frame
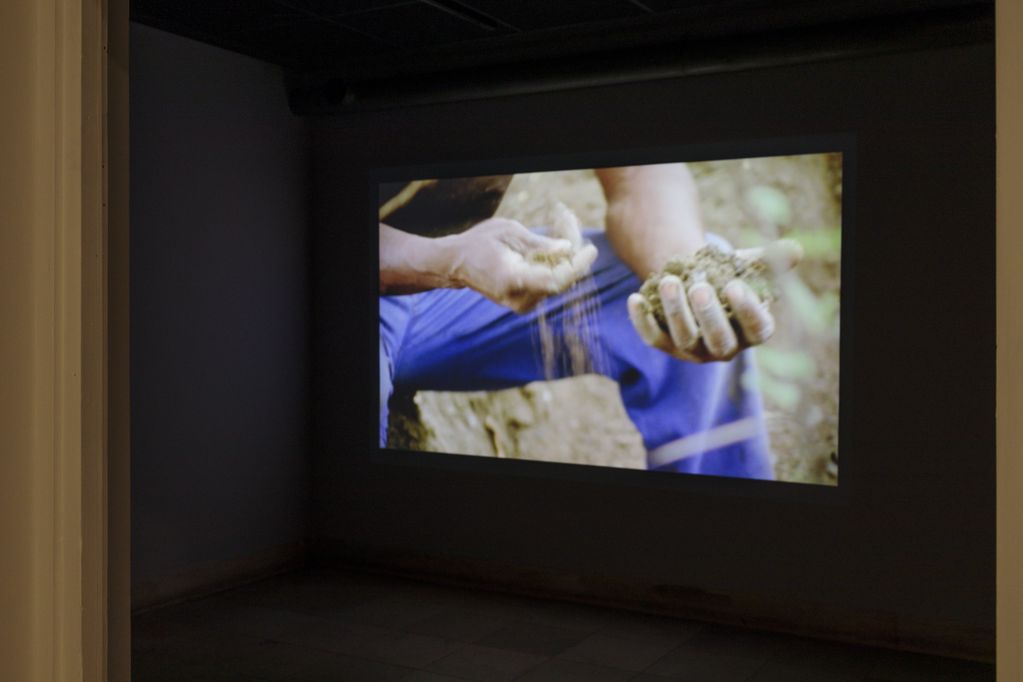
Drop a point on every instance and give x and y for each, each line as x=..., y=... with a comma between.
x=65, y=480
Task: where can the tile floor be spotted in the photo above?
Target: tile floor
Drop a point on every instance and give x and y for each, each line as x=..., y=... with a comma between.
x=336, y=625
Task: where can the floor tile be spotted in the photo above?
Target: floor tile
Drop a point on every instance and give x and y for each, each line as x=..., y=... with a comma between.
x=809, y=660
x=414, y=651
x=326, y=667
x=426, y=676
x=623, y=624
x=145, y=669
x=782, y=672
x=486, y=664
x=694, y=664
x=533, y=638
x=582, y=620
x=458, y=624
x=560, y=670
x=737, y=643
x=261, y=660
x=905, y=667
x=624, y=653
x=367, y=641
x=394, y=611
x=186, y=643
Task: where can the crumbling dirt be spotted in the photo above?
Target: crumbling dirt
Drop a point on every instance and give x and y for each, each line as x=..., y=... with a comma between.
x=714, y=266
x=548, y=257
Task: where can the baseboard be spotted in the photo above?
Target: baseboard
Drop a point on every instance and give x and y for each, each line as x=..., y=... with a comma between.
x=216, y=576
x=805, y=619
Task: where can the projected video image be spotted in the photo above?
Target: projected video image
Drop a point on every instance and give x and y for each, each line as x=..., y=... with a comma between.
x=677, y=317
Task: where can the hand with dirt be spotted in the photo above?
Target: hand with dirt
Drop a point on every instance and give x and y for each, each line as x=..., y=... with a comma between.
x=515, y=267
x=692, y=322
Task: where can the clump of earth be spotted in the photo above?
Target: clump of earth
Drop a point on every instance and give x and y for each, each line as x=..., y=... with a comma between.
x=714, y=266
x=549, y=258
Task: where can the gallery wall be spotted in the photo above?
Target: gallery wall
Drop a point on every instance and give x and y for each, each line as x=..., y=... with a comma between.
x=219, y=317
x=901, y=554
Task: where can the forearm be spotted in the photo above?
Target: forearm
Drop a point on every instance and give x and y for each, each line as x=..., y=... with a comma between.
x=653, y=213
x=410, y=263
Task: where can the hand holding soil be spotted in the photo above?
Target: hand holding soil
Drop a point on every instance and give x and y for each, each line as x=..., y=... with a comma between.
x=515, y=267
x=712, y=304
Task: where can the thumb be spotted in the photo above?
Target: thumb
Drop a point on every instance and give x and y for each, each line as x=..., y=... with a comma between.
x=779, y=256
x=565, y=224
x=531, y=241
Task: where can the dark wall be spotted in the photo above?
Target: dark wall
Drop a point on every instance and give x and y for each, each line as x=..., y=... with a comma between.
x=908, y=536
x=219, y=312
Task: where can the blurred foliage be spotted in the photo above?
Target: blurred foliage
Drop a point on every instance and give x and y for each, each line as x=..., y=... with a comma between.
x=816, y=312
x=770, y=204
x=786, y=395
x=783, y=394
x=794, y=369
x=824, y=243
x=785, y=363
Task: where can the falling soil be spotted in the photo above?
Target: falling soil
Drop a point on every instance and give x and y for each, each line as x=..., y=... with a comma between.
x=714, y=266
x=566, y=333
x=565, y=328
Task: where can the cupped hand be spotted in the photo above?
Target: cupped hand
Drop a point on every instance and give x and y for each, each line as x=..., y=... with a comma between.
x=515, y=267
x=698, y=328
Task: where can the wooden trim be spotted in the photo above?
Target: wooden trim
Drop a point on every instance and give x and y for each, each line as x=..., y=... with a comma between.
x=78, y=332
x=1009, y=58
x=23, y=204
x=54, y=351
x=92, y=345
x=118, y=474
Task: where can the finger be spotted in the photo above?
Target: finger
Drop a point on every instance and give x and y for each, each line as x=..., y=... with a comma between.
x=583, y=260
x=646, y=326
x=717, y=332
x=536, y=280
x=565, y=225
x=526, y=241
x=756, y=323
x=779, y=256
x=568, y=272
x=681, y=323
x=564, y=275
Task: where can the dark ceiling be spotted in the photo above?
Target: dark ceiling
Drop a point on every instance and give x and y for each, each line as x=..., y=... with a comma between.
x=367, y=39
